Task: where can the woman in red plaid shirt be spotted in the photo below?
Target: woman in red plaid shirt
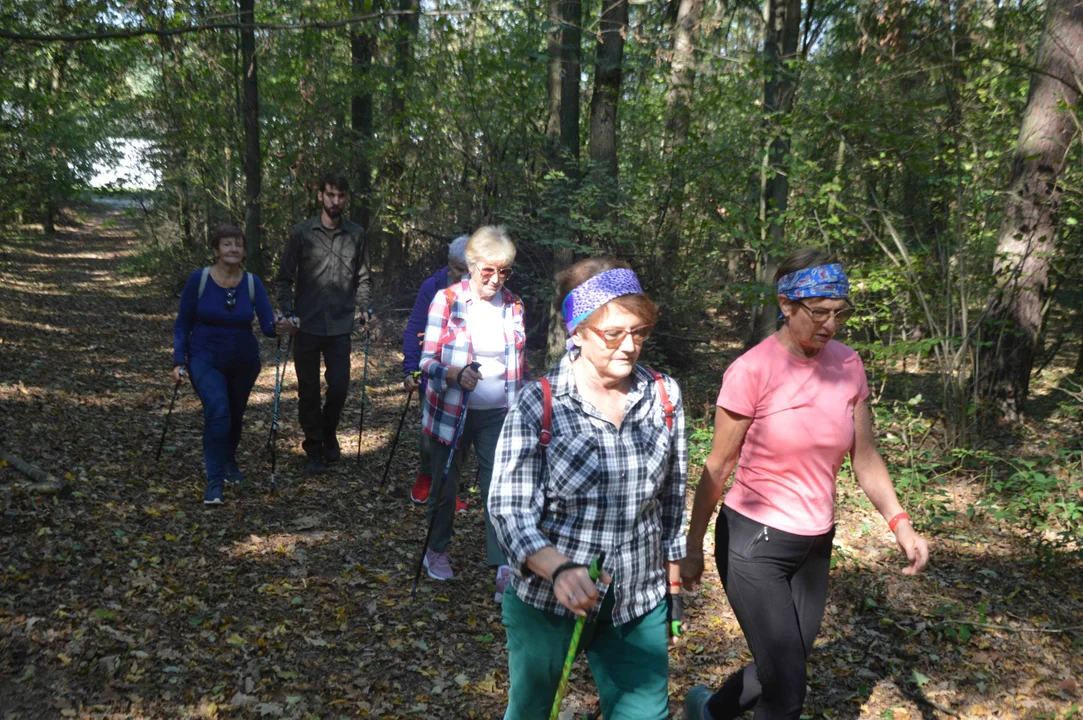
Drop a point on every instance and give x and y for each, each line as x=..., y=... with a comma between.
x=475, y=321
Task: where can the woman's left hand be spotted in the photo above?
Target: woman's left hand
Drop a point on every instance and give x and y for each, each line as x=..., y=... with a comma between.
x=674, y=617
x=913, y=546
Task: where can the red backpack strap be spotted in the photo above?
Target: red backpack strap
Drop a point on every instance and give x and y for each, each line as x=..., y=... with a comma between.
x=547, y=415
x=667, y=406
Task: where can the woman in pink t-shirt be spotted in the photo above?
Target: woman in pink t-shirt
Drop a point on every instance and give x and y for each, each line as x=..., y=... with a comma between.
x=789, y=411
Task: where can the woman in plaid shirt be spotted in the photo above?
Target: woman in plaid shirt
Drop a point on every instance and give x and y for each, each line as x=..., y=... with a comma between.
x=611, y=480
x=475, y=321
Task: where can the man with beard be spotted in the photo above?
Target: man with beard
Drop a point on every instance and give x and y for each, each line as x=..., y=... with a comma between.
x=328, y=258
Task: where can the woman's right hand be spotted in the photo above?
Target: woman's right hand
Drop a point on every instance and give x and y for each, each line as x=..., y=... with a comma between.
x=576, y=591
x=692, y=569
x=178, y=374
x=468, y=379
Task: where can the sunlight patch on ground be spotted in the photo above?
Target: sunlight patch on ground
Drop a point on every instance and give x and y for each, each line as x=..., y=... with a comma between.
x=284, y=544
x=42, y=327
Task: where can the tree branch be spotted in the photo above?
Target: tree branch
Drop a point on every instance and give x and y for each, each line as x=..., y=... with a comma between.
x=128, y=33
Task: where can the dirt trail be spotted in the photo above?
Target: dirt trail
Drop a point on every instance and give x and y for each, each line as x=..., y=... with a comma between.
x=131, y=599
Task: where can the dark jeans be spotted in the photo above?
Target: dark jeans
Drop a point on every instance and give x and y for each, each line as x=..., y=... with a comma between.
x=321, y=424
x=776, y=583
x=223, y=387
x=482, y=430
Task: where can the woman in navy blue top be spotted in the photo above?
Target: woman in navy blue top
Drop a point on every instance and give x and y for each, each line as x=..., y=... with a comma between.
x=213, y=338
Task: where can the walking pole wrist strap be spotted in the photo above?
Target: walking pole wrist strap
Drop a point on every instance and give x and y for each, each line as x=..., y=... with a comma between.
x=570, y=565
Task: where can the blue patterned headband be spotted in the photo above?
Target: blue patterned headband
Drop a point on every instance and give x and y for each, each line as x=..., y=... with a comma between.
x=827, y=281
x=597, y=291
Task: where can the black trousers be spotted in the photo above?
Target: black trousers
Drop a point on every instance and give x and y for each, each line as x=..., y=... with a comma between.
x=319, y=423
x=776, y=583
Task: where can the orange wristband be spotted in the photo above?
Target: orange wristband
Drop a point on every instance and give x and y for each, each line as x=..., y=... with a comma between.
x=895, y=521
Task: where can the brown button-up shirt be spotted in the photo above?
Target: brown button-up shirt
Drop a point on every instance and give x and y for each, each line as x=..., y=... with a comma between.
x=325, y=276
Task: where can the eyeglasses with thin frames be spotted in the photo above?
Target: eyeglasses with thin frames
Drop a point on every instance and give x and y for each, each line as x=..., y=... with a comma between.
x=614, y=337
x=231, y=299
x=820, y=316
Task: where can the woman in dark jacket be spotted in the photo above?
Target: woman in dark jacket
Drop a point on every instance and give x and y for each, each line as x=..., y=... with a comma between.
x=213, y=337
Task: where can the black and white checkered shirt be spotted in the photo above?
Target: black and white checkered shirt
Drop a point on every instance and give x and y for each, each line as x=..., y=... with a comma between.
x=599, y=488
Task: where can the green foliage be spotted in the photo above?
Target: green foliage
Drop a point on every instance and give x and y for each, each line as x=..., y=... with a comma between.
x=61, y=103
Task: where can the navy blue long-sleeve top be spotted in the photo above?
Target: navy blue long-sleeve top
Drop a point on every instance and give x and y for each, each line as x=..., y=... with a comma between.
x=415, y=326
x=206, y=329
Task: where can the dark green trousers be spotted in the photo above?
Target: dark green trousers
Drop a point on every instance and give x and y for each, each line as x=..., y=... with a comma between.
x=630, y=662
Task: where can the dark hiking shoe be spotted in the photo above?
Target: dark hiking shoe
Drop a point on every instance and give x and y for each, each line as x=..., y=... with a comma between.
x=332, y=453
x=314, y=465
x=695, y=703
x=234, y=476
x=214, y=495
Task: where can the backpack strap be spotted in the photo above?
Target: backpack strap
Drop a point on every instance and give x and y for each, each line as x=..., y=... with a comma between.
x=251, y=288
x=667, y=406
x=203, y=281
x=547, y=416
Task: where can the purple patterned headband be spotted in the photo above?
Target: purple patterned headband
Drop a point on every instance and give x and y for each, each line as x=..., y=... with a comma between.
x=597, y=291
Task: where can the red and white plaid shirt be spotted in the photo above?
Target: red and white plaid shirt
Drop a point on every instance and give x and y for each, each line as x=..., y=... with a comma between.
x=448, y=342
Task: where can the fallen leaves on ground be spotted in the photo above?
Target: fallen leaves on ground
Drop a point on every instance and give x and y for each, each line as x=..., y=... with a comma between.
x=132, y=599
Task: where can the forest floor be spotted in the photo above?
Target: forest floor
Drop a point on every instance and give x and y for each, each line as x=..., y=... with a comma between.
x=130, y=599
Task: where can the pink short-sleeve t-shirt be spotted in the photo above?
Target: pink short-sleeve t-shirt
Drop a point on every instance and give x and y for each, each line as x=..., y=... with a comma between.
x=802, y=414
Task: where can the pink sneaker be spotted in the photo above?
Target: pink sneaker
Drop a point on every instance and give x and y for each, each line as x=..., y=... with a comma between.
x=503, y=577
x=438, y=565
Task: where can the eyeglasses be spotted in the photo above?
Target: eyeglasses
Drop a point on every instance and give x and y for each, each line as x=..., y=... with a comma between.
x=486, y=273
x=614, y=337
x=821, y=315
x=231, y=299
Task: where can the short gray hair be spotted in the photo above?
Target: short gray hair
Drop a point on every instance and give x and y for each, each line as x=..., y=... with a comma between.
x=456, y=251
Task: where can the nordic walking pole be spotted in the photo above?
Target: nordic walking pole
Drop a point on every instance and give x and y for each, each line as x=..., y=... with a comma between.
x=595, y=571
x=440, y=487
x=364, y=383
x=395, y=442
x=279, y=380
x=278, y=362
x=165, y=428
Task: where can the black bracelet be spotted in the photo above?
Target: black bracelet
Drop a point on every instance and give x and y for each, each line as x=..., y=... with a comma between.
x=571, y=564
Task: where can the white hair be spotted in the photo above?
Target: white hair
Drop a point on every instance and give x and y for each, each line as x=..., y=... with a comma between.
x=456, y=251
x=490, y=243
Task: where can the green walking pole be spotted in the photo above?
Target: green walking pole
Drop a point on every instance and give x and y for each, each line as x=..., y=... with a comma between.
x=595, y=571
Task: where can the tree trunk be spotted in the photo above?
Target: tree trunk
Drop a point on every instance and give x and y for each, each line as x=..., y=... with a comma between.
x=1079, y=358
x=609, y=59
x=554, y=82
x=562, y=132
x=252, y=163
x=780, y=45
x=362, y=51
x=682, y=78
x=408, y=26
x=1026, y=240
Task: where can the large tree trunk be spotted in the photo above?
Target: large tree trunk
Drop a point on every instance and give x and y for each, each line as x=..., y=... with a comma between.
x=252, y=161
x=408, y=26
x=682, y=78
x=1026, y=241
x=609, y=59
x=362, y=51
x=562, y=133
x=780, y=45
